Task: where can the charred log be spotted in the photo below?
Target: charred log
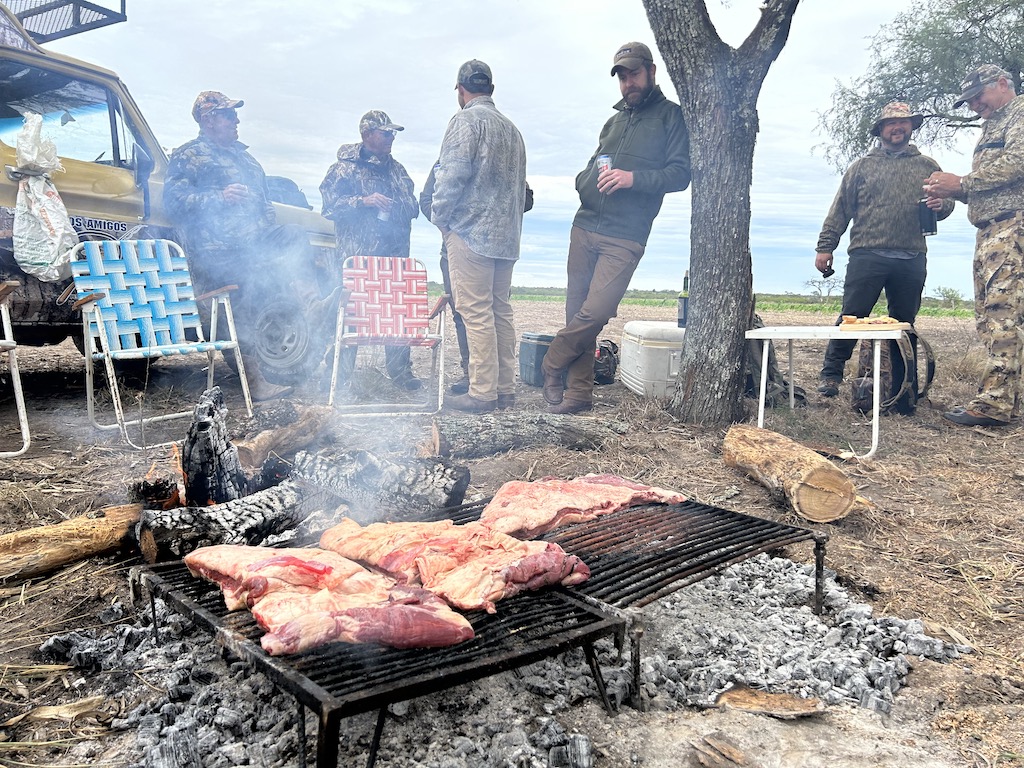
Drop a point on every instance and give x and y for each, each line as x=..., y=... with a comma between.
x=46, y=548
x=213, y=473
x=472, y=437
x=377, y=489
x=284, y=441
x=172, y=533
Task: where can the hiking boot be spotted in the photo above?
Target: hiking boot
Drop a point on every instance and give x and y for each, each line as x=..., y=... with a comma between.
x=505, y=401
x=829, y=387
x=571, y=406
x=553, y=388
x=969, y=418
x=260, y=389
x=460, y=387
x=469, y=404
x=407, y=381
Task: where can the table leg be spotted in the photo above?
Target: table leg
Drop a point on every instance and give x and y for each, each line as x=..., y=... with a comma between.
x=876, y=407
x=792, y=395
x=764, y=382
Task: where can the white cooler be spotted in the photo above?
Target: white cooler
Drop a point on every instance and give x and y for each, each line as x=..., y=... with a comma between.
x=649, y=356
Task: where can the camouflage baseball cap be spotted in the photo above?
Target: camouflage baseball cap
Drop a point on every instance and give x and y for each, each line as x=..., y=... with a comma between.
x=210, y=101
x=897, y=110
x=976, y=81
x=632, y=56
x=377, y=120
x=474, y=75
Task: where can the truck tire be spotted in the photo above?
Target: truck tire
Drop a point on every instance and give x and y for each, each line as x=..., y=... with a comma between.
x=287, y=345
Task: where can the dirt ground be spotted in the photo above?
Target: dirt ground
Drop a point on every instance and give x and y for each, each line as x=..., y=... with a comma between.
x=939, y=537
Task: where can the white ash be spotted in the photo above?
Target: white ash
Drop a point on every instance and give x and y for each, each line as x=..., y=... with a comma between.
x=752, y=624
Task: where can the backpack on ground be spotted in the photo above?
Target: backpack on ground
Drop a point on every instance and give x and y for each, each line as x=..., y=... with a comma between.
x=777, y=390
x=901, y=384
x=606, y=361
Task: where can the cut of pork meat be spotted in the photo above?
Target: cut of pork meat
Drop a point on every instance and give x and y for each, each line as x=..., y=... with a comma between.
x=410, y=617
x=470, y=565
x=528, y=509
x=246, y=574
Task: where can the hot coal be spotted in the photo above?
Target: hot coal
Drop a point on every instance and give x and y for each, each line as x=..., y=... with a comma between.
x=750, y=625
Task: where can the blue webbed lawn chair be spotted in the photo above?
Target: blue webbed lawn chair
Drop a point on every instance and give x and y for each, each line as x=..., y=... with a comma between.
x=138, y=303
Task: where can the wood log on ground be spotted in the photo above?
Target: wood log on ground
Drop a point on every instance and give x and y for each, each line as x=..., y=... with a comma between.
x=377, y=488
x=173, y=533
x=472, y=437
x=213, y=474
x=286, y=440
x=815, y=487
x=46, y=548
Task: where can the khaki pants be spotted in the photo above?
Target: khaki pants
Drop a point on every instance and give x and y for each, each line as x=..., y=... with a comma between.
x=600, y=269
x=481, y=288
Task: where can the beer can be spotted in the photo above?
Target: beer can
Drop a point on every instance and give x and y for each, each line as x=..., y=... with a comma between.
x=604, y=162
x=927, y=218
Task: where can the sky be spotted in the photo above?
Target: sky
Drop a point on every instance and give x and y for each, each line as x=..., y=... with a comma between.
x=308, y=73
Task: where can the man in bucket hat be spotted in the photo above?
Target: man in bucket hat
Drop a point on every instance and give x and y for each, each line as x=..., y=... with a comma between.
x=994, y=193
x=880, y=195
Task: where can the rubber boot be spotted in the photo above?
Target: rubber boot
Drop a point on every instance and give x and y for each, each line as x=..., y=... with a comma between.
x=259, y=388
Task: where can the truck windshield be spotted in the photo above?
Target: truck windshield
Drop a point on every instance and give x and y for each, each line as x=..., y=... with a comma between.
x=82, y=119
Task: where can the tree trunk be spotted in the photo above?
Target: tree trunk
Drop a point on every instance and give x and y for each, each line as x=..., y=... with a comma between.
x=35, y=551
x=473, y=437
x=718, y=88
x=815, y=487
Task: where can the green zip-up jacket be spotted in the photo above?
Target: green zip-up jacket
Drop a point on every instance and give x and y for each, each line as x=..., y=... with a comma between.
x=995, y=184
x=879, y=194
x=652, y=141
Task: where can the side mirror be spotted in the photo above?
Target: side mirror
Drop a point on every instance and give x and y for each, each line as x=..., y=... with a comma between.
x=143, y=169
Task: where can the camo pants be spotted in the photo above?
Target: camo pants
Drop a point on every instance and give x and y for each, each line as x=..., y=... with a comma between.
x=999, y=315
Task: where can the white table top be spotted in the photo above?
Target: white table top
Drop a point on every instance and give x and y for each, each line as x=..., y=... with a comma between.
x=827, y=332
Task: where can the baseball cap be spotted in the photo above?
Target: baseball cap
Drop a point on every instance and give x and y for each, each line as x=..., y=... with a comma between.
x=210, y=101
x=474, y=74
x=377, y=120
x=897, y=110
x=976, y=81
x=632, y=56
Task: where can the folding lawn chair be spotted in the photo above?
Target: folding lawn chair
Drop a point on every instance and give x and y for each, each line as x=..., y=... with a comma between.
x=138, y=303
x=388, y=306
x=10, y=346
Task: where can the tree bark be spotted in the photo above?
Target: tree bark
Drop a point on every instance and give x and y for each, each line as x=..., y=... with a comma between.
x=284, y=441
x=815, y=487
x=718, y=88
x=173, y=533
x=473, y=437
x=35, y=551
x=209, y=461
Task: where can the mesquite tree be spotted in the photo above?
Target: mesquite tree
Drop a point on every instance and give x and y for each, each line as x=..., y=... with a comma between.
x=718, y=88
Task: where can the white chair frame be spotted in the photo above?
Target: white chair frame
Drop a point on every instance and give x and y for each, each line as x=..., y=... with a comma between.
x=10, y=347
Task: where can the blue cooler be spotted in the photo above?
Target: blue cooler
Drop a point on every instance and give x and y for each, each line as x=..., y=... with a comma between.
x=532, y=348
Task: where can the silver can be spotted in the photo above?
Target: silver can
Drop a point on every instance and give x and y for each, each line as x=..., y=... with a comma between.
x=604, y=163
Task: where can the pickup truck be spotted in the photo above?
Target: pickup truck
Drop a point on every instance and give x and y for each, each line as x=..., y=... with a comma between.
x=113, y=187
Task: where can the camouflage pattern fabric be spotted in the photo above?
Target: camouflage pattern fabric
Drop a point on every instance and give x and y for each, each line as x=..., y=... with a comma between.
x=995, y=184
x=198, y=172
x=358, y=231
x=999, y=314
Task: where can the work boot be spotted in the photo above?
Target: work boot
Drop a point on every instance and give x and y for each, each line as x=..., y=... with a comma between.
x=505, y=402
x=828, y=388
x=568, y=406
x=461, y=386
x=469, y=404
x=259, y=388
x=405, y=380
x=553, y=388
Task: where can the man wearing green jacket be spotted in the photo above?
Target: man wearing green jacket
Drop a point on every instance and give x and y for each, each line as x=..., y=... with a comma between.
x=648, y=147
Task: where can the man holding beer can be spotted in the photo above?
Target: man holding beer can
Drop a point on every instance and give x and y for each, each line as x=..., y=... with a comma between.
x=880, y=194
x=643, y=153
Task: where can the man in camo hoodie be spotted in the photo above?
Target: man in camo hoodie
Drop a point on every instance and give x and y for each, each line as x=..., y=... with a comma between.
x=879, y=194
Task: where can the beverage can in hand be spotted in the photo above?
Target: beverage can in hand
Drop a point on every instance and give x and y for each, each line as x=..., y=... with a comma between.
x=927, y=218
x=604, y=162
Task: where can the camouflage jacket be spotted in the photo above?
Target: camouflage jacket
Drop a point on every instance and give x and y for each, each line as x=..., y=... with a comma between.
x=480, y=180
x=198, y=172
x=995, y=184
x=357, y=229
x=879, y=193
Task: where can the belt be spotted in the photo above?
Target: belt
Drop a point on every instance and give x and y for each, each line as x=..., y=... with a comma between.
x=996, y=219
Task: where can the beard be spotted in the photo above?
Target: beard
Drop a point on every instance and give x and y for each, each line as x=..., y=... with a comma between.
x=637, y=96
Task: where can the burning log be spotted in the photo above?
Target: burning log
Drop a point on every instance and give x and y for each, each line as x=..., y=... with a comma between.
x=377, y=489
x=473, y=437
x=816, y=489
x=284, y=441
x=210, y=462
x=35, y=551
x=173, y=533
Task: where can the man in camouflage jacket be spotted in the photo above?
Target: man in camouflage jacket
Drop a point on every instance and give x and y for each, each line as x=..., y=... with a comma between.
x=994, y=193
x=216, y=195
x=369, y=197
x=879, y=194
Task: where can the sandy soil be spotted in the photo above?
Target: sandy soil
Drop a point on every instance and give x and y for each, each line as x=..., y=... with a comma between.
x=939, y=537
